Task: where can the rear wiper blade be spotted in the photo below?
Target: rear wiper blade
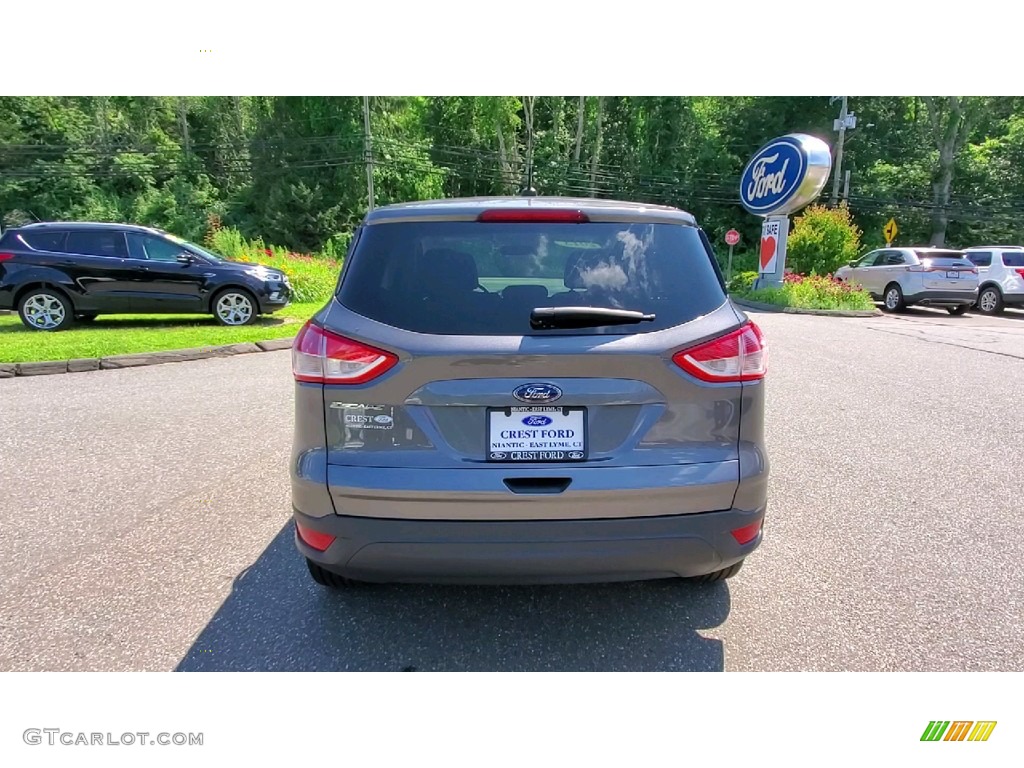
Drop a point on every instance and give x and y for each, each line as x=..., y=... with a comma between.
x=546, y=318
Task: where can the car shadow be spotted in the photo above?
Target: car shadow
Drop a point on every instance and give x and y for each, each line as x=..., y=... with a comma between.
x=277, y=619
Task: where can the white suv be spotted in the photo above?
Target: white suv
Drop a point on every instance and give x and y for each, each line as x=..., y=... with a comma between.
x=1001, y=276
x=903, y=277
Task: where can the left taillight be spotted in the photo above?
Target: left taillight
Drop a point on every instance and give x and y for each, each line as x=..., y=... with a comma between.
x=739, y=355
x=322, y=357
x=6, y=256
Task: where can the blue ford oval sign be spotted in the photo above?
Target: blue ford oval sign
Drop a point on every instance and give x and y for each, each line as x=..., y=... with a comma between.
x=785, y=175
x=537, y=421
x=537, y=393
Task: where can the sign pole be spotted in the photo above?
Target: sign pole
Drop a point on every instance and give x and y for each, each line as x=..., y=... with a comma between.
x=729, y=279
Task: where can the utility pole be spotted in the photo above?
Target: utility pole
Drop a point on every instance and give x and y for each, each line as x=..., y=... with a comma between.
x=839, y=125
x=846, y=188
x=368, y=150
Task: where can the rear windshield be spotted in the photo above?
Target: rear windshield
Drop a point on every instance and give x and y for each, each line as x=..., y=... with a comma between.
x=945, y=258
x=1013, y=259
x=471, y=278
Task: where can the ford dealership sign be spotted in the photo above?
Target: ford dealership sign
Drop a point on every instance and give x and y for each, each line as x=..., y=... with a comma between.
x=785, y=175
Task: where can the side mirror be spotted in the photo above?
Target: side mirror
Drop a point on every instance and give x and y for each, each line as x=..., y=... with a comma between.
x=853, y=263
x=186, y=258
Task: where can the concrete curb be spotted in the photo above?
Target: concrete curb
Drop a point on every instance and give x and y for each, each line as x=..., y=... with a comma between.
x=10, y=370
x=797, y=311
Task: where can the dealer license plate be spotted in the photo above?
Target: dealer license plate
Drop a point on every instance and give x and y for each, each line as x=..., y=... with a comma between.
x=536, y=433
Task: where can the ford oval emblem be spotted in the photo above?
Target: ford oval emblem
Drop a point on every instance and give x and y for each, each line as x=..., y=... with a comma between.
x=537, y=393
x=382, y=419
x=536, y=421
x=785, y=175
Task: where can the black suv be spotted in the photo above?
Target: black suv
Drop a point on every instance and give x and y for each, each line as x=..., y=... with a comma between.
x=57, y=273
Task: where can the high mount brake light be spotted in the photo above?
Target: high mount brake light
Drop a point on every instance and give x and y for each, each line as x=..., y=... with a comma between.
x=739, y=355
x=525, y=215
x=322, y=357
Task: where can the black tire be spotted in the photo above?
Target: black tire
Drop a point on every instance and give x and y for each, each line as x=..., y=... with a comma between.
x=86, y=317
x=990, y=301
x=722, y=575
x=958, y=310
x=327, y=578
x=893, y=290
x=46, y=309
x=241, y=293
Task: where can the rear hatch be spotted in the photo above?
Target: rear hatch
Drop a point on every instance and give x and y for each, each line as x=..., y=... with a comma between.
x=947, y=270
x=484, y=344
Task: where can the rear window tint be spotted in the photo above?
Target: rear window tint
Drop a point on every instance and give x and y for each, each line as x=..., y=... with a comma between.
x=1013, y=259
x=43, y=241
x=98, y=242
x=471, y=278
x=980, y=259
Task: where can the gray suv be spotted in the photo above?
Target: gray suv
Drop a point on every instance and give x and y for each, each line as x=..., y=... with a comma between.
x=528, y=390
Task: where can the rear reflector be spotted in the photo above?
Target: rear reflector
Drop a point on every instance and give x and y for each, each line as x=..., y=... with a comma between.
x=747, y=533
x=315, y=539
x=323, y=357
x=6, y=256
x=740, y=355
x=523, y=215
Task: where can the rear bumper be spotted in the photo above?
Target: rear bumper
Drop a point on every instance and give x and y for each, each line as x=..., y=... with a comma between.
x=531, y=551
x=942, y=298
x=7, y=297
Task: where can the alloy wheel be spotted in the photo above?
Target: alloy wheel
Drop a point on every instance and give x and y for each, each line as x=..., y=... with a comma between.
x=44, y=311
x=234, y=309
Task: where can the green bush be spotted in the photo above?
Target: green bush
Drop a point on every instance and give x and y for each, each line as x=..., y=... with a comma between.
x=813, y=292
x=823, y=239
x=313, y=276
x=741, y=262
x=742, y=282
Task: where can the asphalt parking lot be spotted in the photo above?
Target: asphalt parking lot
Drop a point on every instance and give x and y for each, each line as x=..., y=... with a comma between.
x=143, y=526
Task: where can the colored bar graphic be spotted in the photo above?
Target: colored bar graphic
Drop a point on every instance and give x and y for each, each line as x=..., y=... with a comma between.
x=959, y=730
x=982, y=730
x=935, y=730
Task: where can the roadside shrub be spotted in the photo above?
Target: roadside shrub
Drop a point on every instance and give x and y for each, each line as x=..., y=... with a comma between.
x=812, y=292
x=741, y=262
x=313, y=276
x=823, y=239
x=742, y=282
x=337, y=246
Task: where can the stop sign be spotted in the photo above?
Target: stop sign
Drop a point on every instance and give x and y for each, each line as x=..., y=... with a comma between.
x=732, y=237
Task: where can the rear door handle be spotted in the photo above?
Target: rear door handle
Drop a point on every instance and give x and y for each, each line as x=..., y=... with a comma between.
x=535, y=485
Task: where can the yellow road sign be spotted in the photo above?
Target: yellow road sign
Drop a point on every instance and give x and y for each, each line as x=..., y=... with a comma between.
x=890, y=230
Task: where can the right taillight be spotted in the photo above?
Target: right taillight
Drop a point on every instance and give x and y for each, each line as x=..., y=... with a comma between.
x=323, y=357
x=1018, y=271
x=6, y=256
x=739, y=355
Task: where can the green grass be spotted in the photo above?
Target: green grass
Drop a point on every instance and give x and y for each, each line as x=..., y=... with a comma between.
x=125, y=334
